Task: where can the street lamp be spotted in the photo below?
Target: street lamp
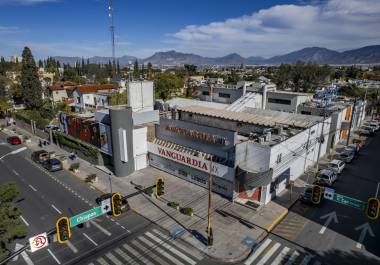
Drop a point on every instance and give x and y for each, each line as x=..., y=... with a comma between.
x=14, y=152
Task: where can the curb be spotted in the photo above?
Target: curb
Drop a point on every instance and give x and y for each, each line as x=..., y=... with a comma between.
x=279, y=217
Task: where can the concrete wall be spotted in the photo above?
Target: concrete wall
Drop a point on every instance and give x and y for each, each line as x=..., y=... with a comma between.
x=140, y=95
x=121, y=119
x=294, y=101
x=234, y=94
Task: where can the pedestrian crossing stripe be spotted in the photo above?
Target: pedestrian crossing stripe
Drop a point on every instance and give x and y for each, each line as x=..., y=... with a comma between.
x=271, y=252
x=151, y=248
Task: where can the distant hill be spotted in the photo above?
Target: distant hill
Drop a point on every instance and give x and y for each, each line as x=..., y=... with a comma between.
x=364, y=55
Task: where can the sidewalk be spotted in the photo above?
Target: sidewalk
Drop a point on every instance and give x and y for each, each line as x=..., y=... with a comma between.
x=236, y=228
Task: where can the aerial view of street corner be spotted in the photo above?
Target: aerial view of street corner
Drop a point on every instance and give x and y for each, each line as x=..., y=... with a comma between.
x=165, y=132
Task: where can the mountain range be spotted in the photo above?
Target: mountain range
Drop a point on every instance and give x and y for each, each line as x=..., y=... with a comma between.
x=364, y=55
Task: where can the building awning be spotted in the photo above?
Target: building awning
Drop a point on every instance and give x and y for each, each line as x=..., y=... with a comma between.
x=254, y=179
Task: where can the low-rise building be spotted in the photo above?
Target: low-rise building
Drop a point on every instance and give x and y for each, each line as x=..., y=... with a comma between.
x=286, y=100
x=252, y=155
x=89, y=97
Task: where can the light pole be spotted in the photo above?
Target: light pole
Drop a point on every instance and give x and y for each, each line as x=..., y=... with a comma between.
x=14, y=152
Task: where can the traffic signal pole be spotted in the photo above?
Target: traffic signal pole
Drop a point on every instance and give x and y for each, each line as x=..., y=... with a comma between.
x=209, y=228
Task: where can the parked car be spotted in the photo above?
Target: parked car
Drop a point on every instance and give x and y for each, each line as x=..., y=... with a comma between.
x=305, y=196
x=40, y=156
x=368, y=128
x=14, y=140
x=336, y=165
x=346, y=156
x=353, y=147
x=326, y=177
x=365, y=132
x=51, y=127
x=374, y=126
x=52, y=164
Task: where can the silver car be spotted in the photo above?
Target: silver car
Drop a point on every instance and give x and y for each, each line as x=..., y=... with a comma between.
x=346, y=156
x=326, y=177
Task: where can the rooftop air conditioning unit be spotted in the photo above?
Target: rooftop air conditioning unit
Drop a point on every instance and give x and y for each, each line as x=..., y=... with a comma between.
x=261, y=140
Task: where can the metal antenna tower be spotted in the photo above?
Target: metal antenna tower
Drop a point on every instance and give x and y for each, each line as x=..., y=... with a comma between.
x=112, y=28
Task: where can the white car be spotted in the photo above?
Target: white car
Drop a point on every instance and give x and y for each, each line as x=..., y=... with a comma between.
x=336, y=165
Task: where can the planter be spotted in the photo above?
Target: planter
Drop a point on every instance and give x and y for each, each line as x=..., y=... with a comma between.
x=187, y=211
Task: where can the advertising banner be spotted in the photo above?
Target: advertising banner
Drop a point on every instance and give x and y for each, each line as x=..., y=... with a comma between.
x=105, y=138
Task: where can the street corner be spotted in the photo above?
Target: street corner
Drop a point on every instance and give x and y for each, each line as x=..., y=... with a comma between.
x=277, y=219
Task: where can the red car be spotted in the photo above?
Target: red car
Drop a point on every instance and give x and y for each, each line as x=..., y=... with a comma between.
x=14, y=140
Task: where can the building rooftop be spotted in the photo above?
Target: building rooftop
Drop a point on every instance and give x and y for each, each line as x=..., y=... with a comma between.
x=185, y=102
x=290, y=93
x=257, y=116
x=93, y=88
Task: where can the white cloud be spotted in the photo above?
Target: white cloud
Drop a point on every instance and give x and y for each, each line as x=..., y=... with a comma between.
x=7, y=30
x=334, y=24
x=25, y=2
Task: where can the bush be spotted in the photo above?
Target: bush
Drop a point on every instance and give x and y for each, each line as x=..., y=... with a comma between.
x=187, y=211
x=149, y=191
x=28, y=115
x=90, y=178
x=74, y=166
x=173, y=204
x=73, y=143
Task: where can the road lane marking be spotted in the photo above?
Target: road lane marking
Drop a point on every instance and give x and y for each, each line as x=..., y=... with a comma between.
x=72, y=247
x=160, y=250
x=192, y=252
x=148, y=252
x=306, y=260
x=136, y=254
x=269, y=254
x=102, y=261
x=292, y=258
x=122, y=254
x=89, y=238
x=15, y=172
x=55, y=208
x=54, y=257
x=170, y=248
x=257, y=252
x=33, y=188
x=101, y=228
x=22, y=218
x=281, y=256
x=113, y=259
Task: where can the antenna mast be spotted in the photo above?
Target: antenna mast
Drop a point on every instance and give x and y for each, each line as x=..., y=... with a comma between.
x=112, y=28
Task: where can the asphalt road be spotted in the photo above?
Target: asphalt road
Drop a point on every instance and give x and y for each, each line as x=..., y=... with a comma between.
x=44, y=197
x=307, y=236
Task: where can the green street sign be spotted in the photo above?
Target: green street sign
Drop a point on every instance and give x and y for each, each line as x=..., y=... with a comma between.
x=86, y=216
x=349, y=201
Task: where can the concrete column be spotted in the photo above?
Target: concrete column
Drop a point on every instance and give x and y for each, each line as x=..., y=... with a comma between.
x=122, y=140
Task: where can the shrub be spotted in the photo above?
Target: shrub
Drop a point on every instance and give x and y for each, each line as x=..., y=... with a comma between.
x=77, y=145
x=90, y=178
x=149, y=191
x=187, y=210
x=28, y=115
x=173, y=204
x=74, y=166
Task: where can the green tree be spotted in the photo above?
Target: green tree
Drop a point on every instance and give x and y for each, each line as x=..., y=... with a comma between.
x=30, y=84
x=149, y=71
x=166, y=85
x=11, y=227
x=136, y=71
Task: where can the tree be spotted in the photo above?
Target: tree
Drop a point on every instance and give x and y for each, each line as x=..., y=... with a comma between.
x=136, y=71
x=149, y=71
x=11, y=227
x=31, y=88
x=166, y=85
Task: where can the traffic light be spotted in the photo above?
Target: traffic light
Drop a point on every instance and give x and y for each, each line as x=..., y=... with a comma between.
x=316, y=194
x=63, y=229
x=373, y=208
x=159, y=187
x=116, y=203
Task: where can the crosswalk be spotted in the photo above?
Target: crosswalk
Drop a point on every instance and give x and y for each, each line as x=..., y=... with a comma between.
x=271, y=252
x=152, y=248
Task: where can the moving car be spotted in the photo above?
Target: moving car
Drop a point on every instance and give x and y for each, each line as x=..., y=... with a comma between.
x=14, y=140
x=336, y=165
x=346, y=156
x=305, y=196
x=40, y=156
x=326, y=177
x=52, y=164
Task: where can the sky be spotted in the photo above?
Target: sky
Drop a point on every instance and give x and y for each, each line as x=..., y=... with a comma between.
x=209, y=28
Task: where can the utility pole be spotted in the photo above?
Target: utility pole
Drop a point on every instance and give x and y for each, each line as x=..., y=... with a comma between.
x=352, y=118
x=210, y=238
x=320, y=140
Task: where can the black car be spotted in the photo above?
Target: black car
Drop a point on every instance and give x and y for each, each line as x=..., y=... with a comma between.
x=305, y=197
x=52, y=164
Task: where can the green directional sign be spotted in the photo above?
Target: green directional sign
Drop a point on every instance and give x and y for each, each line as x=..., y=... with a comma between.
x=339, y=198
x=86, y=216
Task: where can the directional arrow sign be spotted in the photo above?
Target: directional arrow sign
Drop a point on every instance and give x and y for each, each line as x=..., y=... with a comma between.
x=106, y=205
x=330, y=216
x=365, y=228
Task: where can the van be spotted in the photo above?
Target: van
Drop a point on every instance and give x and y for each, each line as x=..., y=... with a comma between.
x=40, y=156
x=326, y=177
